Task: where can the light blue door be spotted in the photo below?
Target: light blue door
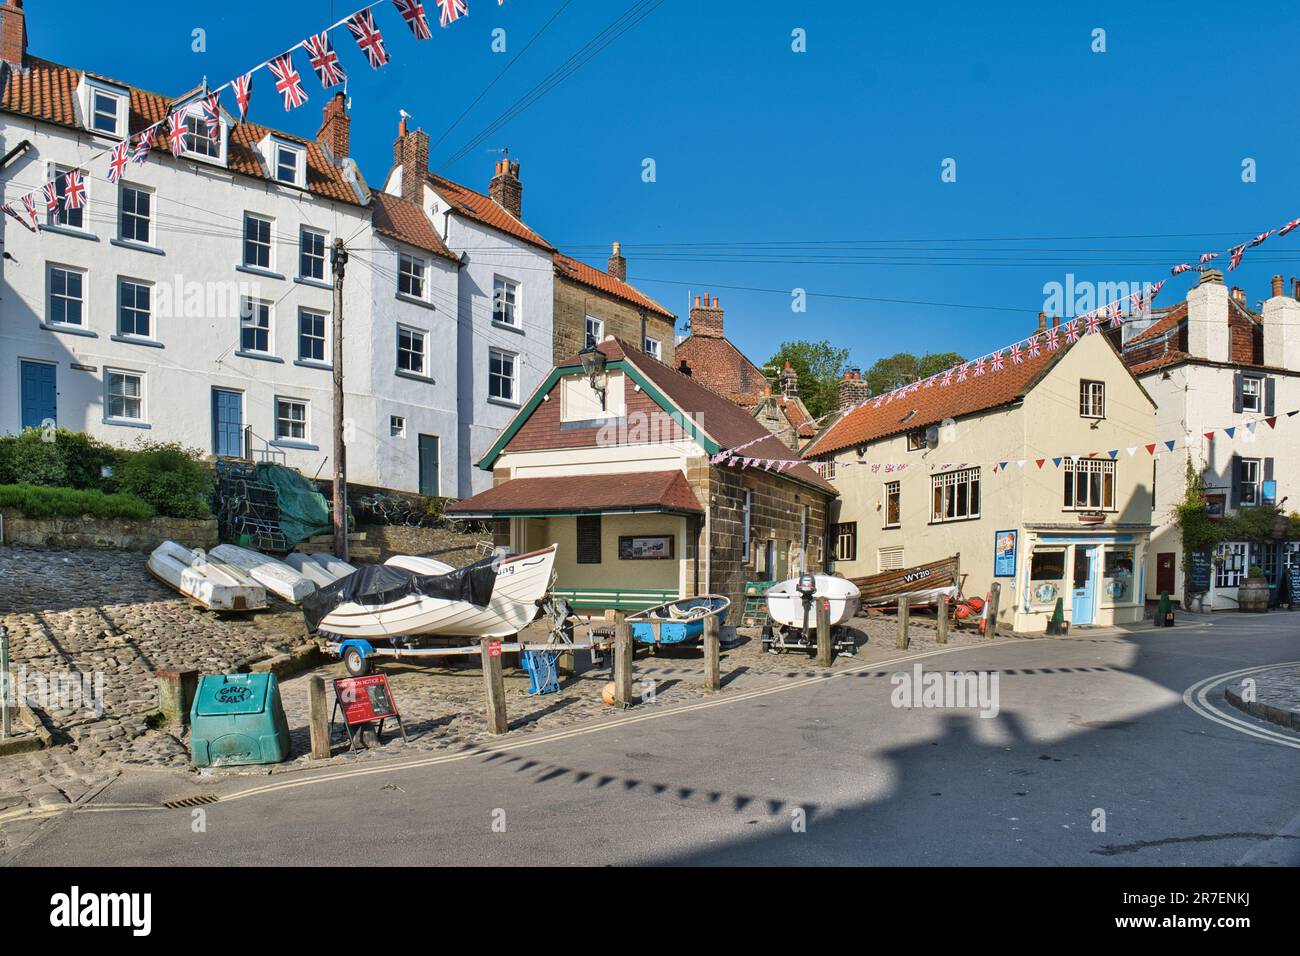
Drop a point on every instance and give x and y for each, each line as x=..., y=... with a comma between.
x=1084, y=605
x=37, y=393
x=227, y=423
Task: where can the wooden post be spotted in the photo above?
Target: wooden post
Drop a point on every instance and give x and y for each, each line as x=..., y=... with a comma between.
x=176, y=690
x=339, y=259
x=824, y=646
x=941, y=624
x=319, y=719
x=623, y=650
x=494, y=685
x=712, y=653
x=904, y=609
x=991, y=631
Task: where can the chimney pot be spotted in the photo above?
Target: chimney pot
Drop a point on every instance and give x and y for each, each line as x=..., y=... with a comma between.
x=1277, y=285
x=506, y=190
x=706, y=317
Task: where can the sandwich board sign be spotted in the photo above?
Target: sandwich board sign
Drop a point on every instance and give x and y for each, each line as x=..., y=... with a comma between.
x=363, y=702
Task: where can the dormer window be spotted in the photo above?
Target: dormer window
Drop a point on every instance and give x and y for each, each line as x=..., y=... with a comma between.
x=287, y=166
x=198, y=140
x=104, y=107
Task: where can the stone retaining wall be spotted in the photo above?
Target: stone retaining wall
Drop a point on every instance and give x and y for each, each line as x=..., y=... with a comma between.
x=105, y=533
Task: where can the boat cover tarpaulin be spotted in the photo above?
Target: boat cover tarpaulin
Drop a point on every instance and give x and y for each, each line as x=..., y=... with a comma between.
x=304, y=512
x=376, y=584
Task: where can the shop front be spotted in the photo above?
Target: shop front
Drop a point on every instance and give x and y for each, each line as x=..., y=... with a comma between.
x=1097, y=576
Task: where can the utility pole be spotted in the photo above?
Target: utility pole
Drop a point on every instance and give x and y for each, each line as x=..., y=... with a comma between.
x=339, y=260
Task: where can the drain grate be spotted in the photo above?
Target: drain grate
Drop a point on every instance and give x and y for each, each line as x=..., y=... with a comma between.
x=189, y=802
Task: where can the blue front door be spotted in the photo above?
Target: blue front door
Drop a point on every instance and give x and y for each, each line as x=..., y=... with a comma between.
x=1083, y=607
x=37, y=393
x=227, y=423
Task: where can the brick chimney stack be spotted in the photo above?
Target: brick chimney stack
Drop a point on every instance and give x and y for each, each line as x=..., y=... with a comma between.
x=1042, y=322
x=13, y=33
x=411, y=152
x=1277, y=285
x=789, y=381
x=617, y=265
x=336, y=127
x=853, y=389
x=706, y=319
x=506, y=190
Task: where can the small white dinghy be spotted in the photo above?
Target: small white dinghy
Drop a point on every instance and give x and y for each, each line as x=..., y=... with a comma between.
x=521, y=582
x=273, y=574
x=791, y=607
x=216, y=585
x=321, y=569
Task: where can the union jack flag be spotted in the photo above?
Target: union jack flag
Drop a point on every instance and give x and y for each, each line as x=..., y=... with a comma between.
x=1117, y=314
x=1017, y=356
x=412, y=12
x=979, y=366
x=117, y=160
x=1139, y=303
x=1207, y=256
x=9, y=211
x=1072, y=330
x=29, y=204
x=324, y=60
x=243, y=87
x=947, y=378
x=1035, y=346
x=1260, y=238
x=961, y=372
x=52, y=200
x=143, y=143
x=176, y=132
x=1155, y=290
x=929, y=382
x=287, y=81
x=1288, y=227
x=212, y=115
x=1236, y=253
x=998, y=364
x=74, y=190
x=1094, y=323
x=1181, y=267
x=369, y=39
x=1053, y=339
x=454, y=9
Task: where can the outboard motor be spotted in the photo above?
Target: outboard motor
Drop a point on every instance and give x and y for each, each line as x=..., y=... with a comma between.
x=807, y=588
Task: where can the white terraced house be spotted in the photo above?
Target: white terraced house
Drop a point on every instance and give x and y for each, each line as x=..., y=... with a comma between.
x=506, y=299
x=192, y=300
x=1212, y=362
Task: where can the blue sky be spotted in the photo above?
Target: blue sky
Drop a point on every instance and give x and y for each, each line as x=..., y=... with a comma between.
x=820, y=170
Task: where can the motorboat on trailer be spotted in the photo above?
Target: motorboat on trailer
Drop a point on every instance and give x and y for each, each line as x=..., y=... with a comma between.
x=677, y=622
x=792, y=610
x=496, y=597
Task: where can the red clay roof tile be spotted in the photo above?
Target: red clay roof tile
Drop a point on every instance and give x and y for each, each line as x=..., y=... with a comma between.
x=482, y=209
x=567, y=494
x=406, y=222
x=571, y=268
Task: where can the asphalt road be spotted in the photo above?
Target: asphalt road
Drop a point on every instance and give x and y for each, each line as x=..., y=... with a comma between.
x=829, y=772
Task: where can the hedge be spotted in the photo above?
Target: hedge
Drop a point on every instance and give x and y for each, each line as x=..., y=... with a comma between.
x=35, y=501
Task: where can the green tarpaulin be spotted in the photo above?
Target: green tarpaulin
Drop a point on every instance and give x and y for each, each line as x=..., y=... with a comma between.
x=304, y=512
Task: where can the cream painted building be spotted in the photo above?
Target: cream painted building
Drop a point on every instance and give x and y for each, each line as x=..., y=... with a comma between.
x=1211, y=363
x=939, y=470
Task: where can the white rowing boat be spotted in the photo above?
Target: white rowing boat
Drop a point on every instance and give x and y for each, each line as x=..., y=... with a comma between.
x=321, y=569
x=215, y=584
x=273, y=574
x=409, y=562
x=521, y=582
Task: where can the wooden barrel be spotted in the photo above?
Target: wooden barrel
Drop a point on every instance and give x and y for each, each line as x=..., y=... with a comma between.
x=1252, y=594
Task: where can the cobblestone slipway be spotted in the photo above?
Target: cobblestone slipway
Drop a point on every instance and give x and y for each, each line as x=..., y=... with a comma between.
x=99, y=614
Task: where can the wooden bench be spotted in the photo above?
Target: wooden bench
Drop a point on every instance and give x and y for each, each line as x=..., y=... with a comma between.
x=627, y=600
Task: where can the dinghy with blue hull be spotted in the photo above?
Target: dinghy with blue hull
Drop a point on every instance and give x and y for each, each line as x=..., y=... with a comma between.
x=677, y=622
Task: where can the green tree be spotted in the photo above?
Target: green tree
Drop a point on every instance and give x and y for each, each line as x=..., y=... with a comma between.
x=819, y=366
x=904, y=368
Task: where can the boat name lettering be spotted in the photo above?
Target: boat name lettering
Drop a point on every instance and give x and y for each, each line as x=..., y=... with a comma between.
x=917, y=575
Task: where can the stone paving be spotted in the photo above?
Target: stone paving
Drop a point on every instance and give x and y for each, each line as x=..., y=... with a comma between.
x=99, y=613
x=1276, y=696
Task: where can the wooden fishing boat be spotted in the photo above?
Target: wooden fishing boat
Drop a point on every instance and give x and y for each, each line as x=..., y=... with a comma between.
x=677, y=622
x=924, y=584
x=212, y=583
x=273, y=574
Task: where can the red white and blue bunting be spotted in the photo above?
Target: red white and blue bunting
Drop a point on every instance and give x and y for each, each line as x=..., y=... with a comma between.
x=67, y=190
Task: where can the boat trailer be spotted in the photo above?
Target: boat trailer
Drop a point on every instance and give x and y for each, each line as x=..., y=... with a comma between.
x=538, y=657
x=777, y=638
